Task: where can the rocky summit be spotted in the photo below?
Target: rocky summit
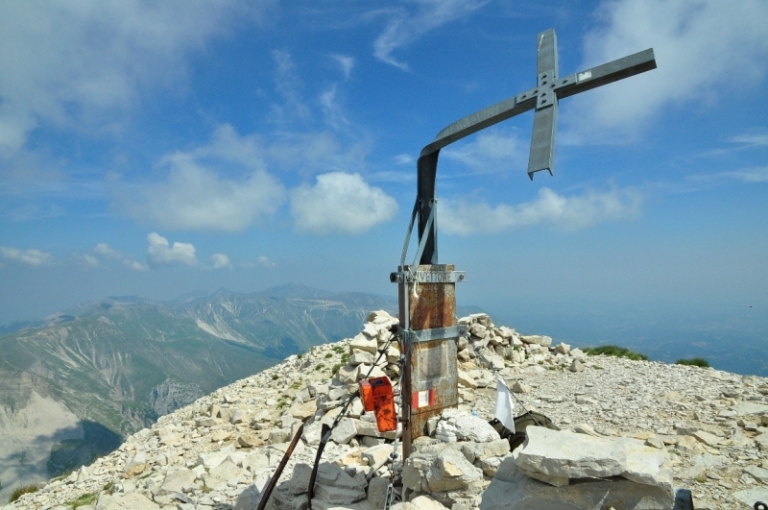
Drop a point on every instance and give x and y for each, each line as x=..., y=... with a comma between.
x=631, y=433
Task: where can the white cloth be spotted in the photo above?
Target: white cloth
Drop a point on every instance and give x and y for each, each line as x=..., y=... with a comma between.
x=505, y=409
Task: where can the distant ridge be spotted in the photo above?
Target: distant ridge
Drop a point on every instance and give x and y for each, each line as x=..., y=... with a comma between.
x=111, y=366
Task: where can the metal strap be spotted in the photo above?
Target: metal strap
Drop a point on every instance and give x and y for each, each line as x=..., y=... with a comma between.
x=429, y=276
x=423, y=241
x=426, y=335
x=439, y=276
x=409, y=232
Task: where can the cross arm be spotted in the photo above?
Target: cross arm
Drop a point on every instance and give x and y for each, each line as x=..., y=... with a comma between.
x=568, y=86
x=544, y=98
x=482, y=119
x=606, y=73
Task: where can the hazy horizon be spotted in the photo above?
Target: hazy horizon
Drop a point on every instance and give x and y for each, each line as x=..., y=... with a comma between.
x=730, y=338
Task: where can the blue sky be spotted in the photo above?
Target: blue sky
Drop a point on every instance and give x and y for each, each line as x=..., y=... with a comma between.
x=158, y=149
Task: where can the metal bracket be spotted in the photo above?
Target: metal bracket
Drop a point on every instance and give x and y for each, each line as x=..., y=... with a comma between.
x=426, y=335
x=428, y=276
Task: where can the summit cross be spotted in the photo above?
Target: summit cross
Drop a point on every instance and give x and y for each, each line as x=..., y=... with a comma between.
x=426, y=289
x=550, y=88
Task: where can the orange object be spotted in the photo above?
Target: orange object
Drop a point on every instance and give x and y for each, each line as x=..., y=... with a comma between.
x=377, y=396
x=366, y=394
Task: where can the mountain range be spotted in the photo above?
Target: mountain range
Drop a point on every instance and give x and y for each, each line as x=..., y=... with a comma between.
x=73, y=385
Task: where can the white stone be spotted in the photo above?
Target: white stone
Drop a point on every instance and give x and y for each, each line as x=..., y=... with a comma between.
x=304, y=411
x=512, y=490
x=345, y=431
x=520, y=387
x=377, y=491
x=466, y=380
x=336, y=487
x=452, y=471
x=299, y=482
x=706, y=438
x=425, y=502
x=567, y=455
x=360, y=357
x=762, y=442
x=131, y=501
x=749, y=496
x=446, y=431
x=363, y=343
x=469, y=427
x=544, y=341
x=377, y=454
x=348, y=374
x=178, y=481
x=757, y=473
x=577, y=354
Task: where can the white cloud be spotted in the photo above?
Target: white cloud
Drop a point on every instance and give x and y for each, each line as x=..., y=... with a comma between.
x=288, y=85
x=107, y=252
x=265, y=262
x=493, y=150
x=549, y=208
x=196, y=195
x=160, y=251
x=315, y=152
x=750, y=140
x=706, y=51
x=91, y=260
x=747, y=175
x=30, y=257
x=220, y=261
x=405, y=159
x=332, y=110
x=77, y=63
x=345, y=62
x=404, y=28
x=392, y=176
x=340, y=203
x=261, y=261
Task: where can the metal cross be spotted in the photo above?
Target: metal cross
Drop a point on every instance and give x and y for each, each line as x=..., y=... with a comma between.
x=544, y=97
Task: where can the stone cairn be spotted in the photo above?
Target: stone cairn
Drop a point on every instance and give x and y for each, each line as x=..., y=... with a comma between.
x=632, y=431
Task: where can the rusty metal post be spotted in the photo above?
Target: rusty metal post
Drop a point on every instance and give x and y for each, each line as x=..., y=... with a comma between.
x=427, y=301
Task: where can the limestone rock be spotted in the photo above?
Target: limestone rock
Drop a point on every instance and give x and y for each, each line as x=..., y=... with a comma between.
x=452, y=471
x=576, y=366
x=562, y=455
x=363, y=343
x=512, y=490
x=762, y=442
x=305, y=410
x=249, y=440
x=299, y=482
x=131, y=501
x=466, y=380
x=520, y=387
x=336, y=487
x=178, y=481
x=469, y=427
x=544, y=341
